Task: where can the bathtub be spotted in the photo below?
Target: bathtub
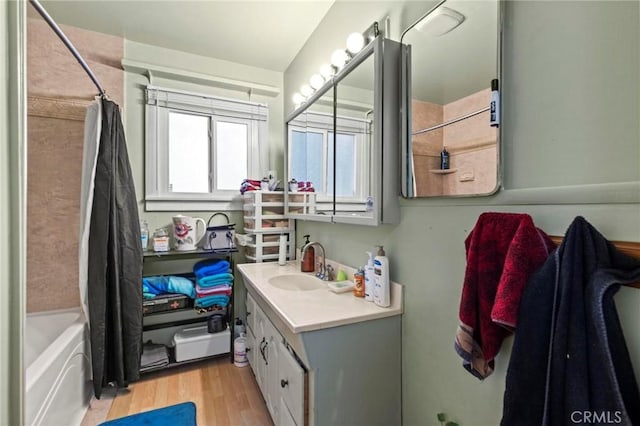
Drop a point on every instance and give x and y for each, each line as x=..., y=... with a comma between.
x=58, y=370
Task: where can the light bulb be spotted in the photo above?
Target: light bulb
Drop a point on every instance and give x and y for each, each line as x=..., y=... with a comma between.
x=316, y=81
x=355, y=42
x=306, y=90
x=297, y=98
x=339, y=58
x=326, y=71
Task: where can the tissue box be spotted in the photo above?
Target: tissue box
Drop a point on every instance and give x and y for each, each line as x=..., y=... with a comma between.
x=196, y=342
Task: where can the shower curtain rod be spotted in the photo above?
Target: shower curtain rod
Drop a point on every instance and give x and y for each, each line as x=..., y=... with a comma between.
x=446, y=123
x=67, y=43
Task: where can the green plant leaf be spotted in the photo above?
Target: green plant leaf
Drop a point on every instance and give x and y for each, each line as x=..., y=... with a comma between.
x=451, y=424
x=441, y=417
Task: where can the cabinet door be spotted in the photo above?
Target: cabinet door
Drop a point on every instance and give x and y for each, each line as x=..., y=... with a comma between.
x=285, y=416
x=261, y=346
x=252, y=349
x=251, y=314
x=292, y=384
x=272, y=355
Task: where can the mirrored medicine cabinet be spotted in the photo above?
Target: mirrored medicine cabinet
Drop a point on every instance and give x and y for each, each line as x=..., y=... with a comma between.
x=450, y=57
x=343, y=143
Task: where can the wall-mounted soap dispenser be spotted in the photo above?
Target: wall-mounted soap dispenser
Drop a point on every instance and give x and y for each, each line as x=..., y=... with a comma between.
x=308, y=261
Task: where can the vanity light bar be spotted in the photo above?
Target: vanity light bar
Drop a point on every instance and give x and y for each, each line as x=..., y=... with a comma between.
x=340, y=57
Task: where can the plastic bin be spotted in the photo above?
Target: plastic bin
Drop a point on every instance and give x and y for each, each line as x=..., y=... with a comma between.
x=196, y=342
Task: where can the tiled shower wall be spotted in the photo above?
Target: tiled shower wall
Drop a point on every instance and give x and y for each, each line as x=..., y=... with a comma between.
x=471, y=144
x=58, y=94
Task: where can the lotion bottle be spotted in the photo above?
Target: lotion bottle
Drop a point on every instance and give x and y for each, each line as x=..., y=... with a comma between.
x=382, y=286
x=368, y=278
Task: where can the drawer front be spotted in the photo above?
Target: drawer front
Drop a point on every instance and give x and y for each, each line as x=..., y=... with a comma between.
x=292, y=384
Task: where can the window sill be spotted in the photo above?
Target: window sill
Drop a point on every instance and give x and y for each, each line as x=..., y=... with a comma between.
x=165, y=205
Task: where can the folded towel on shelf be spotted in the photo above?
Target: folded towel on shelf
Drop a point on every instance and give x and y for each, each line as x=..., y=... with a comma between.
x=153, y=356
x=210, y=291
x=152, y=286
x=503, y=251
x=215, y=280
x=209, y=267
x=204, y=302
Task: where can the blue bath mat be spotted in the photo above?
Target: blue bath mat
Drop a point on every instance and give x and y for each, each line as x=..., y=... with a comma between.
x=175, y=415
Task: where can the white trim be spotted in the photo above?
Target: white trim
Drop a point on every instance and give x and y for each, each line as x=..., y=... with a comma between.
x=195, y=77
x=159, y=103
x=192, y=204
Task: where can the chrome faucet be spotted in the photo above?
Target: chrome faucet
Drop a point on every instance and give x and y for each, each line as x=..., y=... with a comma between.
x=322, y=271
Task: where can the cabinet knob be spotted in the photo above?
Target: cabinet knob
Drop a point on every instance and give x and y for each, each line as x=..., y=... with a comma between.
x=284, y=383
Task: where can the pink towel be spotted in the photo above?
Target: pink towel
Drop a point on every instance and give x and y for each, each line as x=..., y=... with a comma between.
x=209, y=291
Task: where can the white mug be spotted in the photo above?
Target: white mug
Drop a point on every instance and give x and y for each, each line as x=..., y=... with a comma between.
x=185, y=232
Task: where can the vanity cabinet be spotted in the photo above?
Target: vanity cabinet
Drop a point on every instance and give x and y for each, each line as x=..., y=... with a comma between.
x=322, y=358
x=279, y=375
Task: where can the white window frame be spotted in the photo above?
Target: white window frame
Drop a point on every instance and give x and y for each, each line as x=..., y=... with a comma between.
x=319, y=122
x=161, y=101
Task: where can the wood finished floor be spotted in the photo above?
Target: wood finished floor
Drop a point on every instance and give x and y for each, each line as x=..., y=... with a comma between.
x=223, y=393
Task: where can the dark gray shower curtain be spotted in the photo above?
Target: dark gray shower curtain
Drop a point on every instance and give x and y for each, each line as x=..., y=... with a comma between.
x=115, y=262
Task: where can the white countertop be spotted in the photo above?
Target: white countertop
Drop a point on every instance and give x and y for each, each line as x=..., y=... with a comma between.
x=314, y=309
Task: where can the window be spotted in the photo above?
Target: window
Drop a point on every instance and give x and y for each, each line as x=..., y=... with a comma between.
x=199, y=148
x=311, y=156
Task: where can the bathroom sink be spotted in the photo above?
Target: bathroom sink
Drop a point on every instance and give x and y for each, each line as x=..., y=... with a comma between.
x=296, y=282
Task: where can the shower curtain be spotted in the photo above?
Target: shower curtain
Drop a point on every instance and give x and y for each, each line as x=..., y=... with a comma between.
x=114, y=290
x=92, y=129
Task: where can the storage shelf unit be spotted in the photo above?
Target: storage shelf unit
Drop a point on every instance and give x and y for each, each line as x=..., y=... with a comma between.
x=264, y=222
x=302, y=203
x=161, y=326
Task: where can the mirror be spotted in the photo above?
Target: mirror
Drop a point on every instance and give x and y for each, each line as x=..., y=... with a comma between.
x=336, y=141
x=450, y=132
x=354, y=142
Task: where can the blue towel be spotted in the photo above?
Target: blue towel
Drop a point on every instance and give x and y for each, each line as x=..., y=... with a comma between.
x=171, y=284
x=215, y=280
x=205, y=302
x=209, y=267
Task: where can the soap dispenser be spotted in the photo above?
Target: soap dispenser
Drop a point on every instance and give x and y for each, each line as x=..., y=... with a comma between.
x=381, y=286
x=308, y=263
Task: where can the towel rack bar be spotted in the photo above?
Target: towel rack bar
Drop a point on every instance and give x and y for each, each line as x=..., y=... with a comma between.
x=627, y=247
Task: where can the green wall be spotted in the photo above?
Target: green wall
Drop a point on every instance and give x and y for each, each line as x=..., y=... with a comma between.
x=570, y=146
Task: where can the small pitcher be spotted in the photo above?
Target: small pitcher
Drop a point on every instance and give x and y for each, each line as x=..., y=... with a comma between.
x=185, y=232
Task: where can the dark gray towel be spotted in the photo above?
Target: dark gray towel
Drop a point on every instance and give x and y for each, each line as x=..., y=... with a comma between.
x=153, y=356
x=569, y=362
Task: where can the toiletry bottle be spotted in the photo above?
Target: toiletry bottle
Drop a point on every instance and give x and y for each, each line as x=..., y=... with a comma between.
x=282, y=250
x=144, y=234
x=444, y=158
x=494, y=119
x=358, y=279
x=382, y=287
x=308, y=261
x=368, y=278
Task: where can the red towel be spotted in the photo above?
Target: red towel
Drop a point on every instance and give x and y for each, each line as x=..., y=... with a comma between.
x=503, y=251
